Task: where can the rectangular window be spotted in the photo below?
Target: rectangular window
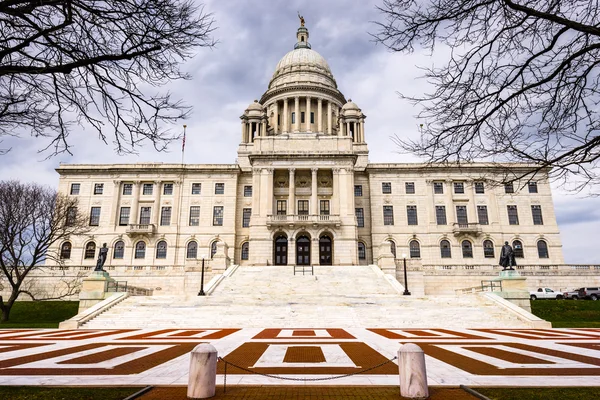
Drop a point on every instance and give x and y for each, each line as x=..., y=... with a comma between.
x=165, y=216
x=509, y=188
x=293, y=117
x=440, y=215
x=479, y=188
x=147, y=189
x=532, y=187
x=513, y=216
x=168, y=189
x=98, y=188
x=411, y=215
x=95, y=216
x=438, y=187
x=281, y=207
x=124, y=216
x=145, y=215
x=312, y=117
x=194, y=216
x=247, y=191
x=459, y=188
x=278, y=119
x=302, y=117
x=196, y=188
x=386, y=187
x=218, y=216
x=358, y=190
x=536, y=212
x=360, y=217
x=324, y=207
x=461, y=215
x=302, y=207
x=247, y=212
x=219, y=188
x=127, y=189
x=410, y=187
x=75, y=188
x=388, y=215
x=482, y=215
x=71, y=216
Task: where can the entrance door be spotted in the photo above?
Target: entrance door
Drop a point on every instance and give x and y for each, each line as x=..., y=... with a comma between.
x=303, y=251
x=325, y=250
x=281, y=250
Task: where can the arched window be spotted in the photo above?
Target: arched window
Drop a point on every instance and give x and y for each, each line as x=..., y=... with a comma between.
x=518, y=249
x=213, y=249
x=140, y=249
x=488, y=249
x=467, y=249
x=245, y=251
x=445, y=249
x=161, y=250
x=119, y=250
x=192, y=250
x=415, y=249
x=65, y=250
x=362, y=251
x=542, y=249
x=393, y=247
x=90, y=250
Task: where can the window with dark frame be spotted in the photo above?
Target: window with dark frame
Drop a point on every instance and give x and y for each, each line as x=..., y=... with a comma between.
x=247, y=191
x=542, y=247
x=388, y=215
x=196, y=188
x=161, y=250
x=192, y=250
x=302, y=207
x=246, y=214
x=194, y=219
x=65, y=251
x=75, y=188
x=324, y=207
x=293, y=117
x=140, y=250
x=145, y=213
x=479, y=187
x=411, y=215
x=358, y=191
x=509, y=188
x=147, y=189
x=488, y=249
x=513, y=215
x=482, y=215
x=312, y=117
x=393, y=247
x=90, y=250
x=98, y=188
x=536, y=213
x=124, y=216
x=415, y=249
x=467, y=249
x=438, y=187
x=71, y=216
x=119, y=251
x=461, y=215
x=459, y=187
x=360, y=217
x=165, y=216
x=533, y=187
x=445, y=249
x=281, y=207
x=518, y=249
x=167, y=189
x=301, y=117
x=218, y=216
x=127, y=189
x=245, y=251
x=219, y=188
x=95, y=216
x=440, y=215
x=409, y=187
x=362, y=251
x=386, y=187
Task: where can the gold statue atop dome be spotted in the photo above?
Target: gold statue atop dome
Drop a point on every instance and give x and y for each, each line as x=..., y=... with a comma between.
x=301, y=19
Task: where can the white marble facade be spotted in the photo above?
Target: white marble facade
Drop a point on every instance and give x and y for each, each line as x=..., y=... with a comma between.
x=303, y=192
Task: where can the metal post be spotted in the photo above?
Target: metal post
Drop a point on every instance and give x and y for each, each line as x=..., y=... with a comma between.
x=406, y=292
x=201, y=292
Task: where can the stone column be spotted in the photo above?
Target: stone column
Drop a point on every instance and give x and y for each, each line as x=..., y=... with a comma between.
x=285, y=128
x=263, y=130
x=314, y=251
x=347, y=128
x=133, y=215
x=314, y=207
x=156, y=203
x=362, y=131
x=335, y=204
x=270, y=173
x=292, y=196
x=472, y=207
x=320, y=115
x=291, y=251
x=297, y=114
x=115, y=203
x=243, y=131
x=256, y=191
x=450, y=207
x=266, y=176
x=308, y=104
x=329, y=118
x=431, y=195
x=276, y=123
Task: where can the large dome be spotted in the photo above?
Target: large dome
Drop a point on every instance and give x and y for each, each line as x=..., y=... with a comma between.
x=302, y=59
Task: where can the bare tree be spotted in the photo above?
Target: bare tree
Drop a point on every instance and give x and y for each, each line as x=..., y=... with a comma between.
x=521, y=83
x=34, y=219
x=66, y=63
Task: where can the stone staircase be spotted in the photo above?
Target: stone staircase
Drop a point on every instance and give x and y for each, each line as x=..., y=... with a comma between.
x=335, y=297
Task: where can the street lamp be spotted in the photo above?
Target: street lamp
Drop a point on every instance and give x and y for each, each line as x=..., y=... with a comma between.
x=406, y=292
x=201, y=292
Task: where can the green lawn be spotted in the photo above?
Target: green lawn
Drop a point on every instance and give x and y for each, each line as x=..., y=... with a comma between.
x=40, y=314
x=568, y=313
x=71, y=393
x=570, y=393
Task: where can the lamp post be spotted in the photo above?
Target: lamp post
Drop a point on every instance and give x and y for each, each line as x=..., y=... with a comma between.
x=201, y=292
x=406, y=292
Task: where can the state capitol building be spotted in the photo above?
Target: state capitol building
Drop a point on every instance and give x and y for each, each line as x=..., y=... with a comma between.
x=303, y=193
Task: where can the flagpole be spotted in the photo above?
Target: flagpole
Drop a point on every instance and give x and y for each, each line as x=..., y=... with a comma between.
x=183, y=144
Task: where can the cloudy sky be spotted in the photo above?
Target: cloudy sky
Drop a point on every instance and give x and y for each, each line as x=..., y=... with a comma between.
x=252, y=37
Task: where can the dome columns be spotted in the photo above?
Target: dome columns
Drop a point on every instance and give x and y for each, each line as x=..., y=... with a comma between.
x=302, y=114
x=352, y=122
x=254, y=122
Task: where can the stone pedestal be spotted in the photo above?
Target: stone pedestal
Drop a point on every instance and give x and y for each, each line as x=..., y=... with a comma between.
x=94, y=289
x=413, y=374
x=202, y=379
x=220, y=260
x=387, y=263
x=514, y=288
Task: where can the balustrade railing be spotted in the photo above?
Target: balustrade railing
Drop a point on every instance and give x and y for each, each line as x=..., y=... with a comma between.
x=303, y=218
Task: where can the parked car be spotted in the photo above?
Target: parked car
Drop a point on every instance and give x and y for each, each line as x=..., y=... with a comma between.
x=545, y=293
x=572, y=295
x=589, y=293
